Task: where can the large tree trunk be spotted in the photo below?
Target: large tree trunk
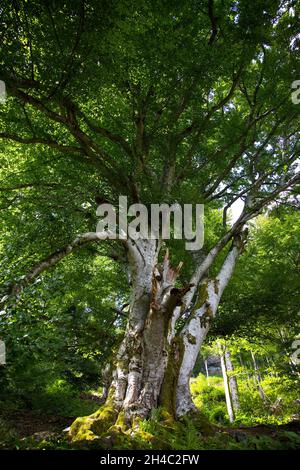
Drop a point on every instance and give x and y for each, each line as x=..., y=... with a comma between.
x=129, y=364
x=142, y=359
x=154, y=362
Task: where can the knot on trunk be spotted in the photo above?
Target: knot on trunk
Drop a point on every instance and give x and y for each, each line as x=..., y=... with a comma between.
x=240, y=240
x=207, y=316
x=164, y=277
x=180, y=293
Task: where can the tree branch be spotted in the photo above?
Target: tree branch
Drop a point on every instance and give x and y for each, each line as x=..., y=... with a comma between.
x=108, y=134
x=36, y=140
x=195, y=125
x=51, y=260
x=213, y=20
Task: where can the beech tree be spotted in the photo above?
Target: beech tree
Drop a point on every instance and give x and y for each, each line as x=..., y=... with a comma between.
x=228, y=396
x=233, y=386
x=163, y=102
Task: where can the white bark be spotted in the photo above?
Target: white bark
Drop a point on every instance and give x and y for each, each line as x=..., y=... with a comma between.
x=206, y=371
x=127, y=375
x=233, y=386
x=209, y=259
x=193, y=337
x=226, y=389
x=196, y=329
x=143, y=354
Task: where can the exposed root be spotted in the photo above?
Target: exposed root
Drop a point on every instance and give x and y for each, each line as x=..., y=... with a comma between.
x=89, y=428
x=113, y=428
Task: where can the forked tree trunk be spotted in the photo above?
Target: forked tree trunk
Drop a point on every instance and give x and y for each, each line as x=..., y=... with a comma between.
x=142, y=358
x=154, y=362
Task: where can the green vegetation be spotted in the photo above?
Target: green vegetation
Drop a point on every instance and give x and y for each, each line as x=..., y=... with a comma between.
x=164, y=102
x=42, y=386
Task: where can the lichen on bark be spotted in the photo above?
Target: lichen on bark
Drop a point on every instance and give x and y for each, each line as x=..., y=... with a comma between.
x=167, y=398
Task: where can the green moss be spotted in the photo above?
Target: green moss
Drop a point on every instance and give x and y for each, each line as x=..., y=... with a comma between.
x=136, y=423
x=167, y=397
x=81, y=430
x=191, y=338
x=121, y=422
x=202, y=295
x=166, y=417
x=91, y=427
x=207, y=317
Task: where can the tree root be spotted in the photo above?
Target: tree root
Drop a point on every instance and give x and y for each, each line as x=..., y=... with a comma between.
x=110, y=427
x=89, y=428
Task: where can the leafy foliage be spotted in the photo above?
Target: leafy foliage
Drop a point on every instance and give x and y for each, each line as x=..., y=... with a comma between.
x=162, y=102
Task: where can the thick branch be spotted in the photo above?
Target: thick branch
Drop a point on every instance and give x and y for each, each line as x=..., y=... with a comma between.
x=228, y=266
x=36, y=140
x=213, y=20
x=109, y=135
x=52, y=260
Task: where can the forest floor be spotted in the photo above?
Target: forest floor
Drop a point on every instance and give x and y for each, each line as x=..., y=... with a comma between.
x=263, y=430
x=32, y=430
x=29, y=423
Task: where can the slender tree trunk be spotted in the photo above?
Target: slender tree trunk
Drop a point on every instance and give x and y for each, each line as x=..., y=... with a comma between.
x=229, y=406
x=257, y=378
x=206, y=370
x=233, y=386
x=246, y=369
x=269, y=364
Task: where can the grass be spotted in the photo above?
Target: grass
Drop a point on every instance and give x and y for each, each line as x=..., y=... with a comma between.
x=41, y=427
